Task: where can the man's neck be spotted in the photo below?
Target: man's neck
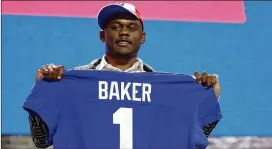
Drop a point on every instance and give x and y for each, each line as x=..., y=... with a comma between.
x=122, y=63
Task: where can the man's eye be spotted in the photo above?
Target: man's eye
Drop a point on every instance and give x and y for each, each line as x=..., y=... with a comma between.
x=133, y=28
x=115, y=27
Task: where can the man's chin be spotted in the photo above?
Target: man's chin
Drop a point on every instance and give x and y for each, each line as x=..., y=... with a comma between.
x=125, y=54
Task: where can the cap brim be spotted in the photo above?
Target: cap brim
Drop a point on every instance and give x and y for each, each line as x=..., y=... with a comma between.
x=108, y=11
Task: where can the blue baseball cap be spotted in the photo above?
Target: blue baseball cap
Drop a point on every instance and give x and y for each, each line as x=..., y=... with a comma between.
x=119, y=7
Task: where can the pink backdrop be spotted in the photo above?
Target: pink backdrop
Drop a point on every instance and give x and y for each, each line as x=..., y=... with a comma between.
x=200, y=11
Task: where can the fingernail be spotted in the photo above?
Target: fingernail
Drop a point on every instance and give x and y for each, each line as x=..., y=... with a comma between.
x=59, y=77
x=216, y=75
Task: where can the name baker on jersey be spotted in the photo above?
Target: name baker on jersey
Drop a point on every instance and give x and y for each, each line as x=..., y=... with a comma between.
x=124, y=91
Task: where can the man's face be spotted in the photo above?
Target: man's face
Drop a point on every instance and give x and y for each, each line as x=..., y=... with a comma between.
x=123, y=35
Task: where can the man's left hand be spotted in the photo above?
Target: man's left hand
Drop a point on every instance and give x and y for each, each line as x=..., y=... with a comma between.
x=208, y=81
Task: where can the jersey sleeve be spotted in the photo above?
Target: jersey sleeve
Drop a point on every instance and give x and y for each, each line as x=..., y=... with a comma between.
x=199, y=140
x=42, y=101
x=209, y=110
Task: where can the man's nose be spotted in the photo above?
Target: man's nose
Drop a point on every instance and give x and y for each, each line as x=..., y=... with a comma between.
x=124, y=32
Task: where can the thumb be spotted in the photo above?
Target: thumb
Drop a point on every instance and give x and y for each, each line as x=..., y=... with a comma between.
x=39, y=75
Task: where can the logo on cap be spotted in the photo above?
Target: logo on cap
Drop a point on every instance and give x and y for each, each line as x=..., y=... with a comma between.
x=121, y=3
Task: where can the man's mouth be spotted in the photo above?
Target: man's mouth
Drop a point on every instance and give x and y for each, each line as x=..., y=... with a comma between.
x=123, y=43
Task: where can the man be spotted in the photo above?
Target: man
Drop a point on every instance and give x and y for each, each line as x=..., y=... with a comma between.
x=122, y=31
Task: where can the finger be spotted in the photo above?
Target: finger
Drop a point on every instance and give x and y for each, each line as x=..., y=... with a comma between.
x=214, y=80
x=53, y=66
x=209, y=81
x=56, y=72
x=216, y=75
x=50, y=70
x=44, y=71
x=198, y=77
x=204, y=76
x=60, y=72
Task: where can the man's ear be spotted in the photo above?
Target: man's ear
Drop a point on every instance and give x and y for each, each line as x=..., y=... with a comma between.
x=102, y=35
x=143, y=38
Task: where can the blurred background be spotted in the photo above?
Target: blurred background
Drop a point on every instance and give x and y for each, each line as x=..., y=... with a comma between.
x=230, y=38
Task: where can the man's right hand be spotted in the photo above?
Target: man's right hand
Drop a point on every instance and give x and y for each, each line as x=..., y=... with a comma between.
x=50, y=72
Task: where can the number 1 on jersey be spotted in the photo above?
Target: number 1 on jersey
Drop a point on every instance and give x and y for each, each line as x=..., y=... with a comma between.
x=123, y=117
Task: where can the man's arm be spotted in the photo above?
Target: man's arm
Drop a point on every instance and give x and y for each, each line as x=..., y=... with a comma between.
x=39, y=131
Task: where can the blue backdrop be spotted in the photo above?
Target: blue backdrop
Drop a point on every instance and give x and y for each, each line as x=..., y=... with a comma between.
x=239, y=53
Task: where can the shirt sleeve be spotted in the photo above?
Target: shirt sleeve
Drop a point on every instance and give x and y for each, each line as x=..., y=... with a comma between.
x=207, y=129
x=42, y=101
x=209, y=111
x=39, y=131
